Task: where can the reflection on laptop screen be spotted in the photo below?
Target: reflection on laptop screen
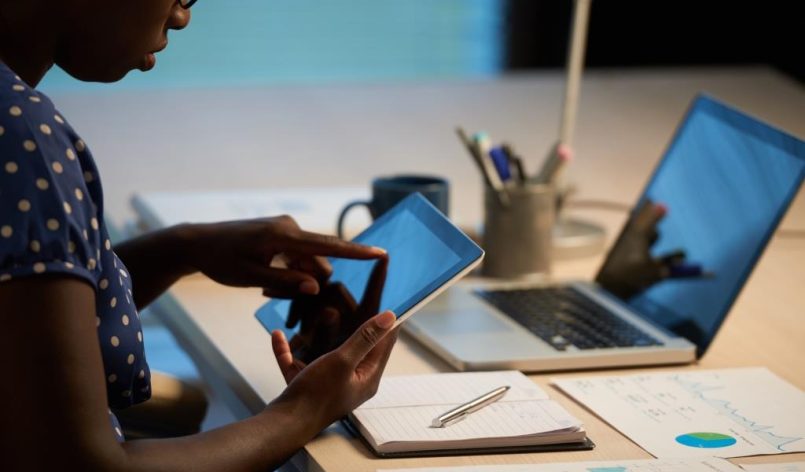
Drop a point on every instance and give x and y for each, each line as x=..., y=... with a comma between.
x=726, y=180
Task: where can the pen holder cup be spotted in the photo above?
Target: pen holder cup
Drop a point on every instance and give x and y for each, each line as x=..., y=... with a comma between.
x=517, y=237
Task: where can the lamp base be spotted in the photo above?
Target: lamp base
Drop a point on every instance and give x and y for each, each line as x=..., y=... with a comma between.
x=574, y=238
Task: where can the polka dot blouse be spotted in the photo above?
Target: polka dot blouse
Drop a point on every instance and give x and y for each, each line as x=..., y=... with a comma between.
x=51, y=221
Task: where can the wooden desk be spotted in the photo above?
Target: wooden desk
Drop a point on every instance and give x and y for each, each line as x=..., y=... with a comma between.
x=626, y=120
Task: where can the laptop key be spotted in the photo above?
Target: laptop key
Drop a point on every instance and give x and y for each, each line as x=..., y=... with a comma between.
x=564, y=317
x=559, y=342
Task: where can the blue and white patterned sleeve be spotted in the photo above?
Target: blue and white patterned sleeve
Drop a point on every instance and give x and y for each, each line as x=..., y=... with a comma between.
x=45, y=216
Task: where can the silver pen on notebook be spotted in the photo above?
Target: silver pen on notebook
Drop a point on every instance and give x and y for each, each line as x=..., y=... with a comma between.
x=462, y=411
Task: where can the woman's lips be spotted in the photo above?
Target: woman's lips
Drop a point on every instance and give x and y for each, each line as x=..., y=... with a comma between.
x=150, y=59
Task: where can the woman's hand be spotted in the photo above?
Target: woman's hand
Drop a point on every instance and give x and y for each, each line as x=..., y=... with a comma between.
x=338, y=382
x=332, y=316
x=241, y=253
x=631, y=268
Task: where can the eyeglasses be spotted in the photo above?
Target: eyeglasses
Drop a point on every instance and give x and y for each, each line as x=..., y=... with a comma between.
x=186, y=4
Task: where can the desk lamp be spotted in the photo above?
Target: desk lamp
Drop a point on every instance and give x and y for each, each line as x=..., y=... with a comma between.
x=572, y=237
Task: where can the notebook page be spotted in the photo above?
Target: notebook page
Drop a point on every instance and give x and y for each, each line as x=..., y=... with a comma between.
x=500, y=419
x=451, y=389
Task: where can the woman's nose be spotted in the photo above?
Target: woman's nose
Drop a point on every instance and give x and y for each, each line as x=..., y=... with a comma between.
x=180, y=17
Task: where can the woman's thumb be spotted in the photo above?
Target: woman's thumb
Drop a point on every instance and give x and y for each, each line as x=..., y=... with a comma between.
x=367, y=336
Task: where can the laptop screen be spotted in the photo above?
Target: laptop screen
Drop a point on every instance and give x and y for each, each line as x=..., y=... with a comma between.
x=726, y=181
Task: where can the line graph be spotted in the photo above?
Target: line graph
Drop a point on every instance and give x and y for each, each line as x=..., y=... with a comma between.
x=701, y=389
x=726, y=413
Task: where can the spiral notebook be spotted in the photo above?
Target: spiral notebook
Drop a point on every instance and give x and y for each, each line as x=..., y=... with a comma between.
x=397, y=421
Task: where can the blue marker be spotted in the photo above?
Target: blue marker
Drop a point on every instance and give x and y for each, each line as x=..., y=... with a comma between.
x=501, y=161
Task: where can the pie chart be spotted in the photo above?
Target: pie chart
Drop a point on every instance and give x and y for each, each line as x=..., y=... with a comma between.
x=705, y=440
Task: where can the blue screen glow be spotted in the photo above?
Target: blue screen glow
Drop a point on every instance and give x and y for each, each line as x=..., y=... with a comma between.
x=425, y=250
x=726, y=181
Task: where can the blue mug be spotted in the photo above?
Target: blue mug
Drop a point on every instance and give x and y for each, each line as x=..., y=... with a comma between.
x=388, y=191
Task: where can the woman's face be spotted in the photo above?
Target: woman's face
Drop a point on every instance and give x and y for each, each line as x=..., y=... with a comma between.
x=105, y=39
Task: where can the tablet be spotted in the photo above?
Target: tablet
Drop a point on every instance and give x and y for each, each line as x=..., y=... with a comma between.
x=427, y=254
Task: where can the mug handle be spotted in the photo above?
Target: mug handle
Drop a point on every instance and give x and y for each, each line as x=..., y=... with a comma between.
x=343, y=215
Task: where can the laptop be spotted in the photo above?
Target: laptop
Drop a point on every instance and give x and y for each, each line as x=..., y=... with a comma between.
x=726, y=179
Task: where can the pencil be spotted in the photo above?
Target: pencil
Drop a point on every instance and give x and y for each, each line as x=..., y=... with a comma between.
x=488, y=172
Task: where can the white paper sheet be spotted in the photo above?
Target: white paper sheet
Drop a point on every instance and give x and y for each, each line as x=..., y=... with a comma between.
x=779, y=467
x=722, y=413
x=651, y=465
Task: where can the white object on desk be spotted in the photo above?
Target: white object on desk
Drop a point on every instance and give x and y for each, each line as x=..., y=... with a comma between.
x=751, y=410
x=462, y=411
x=778, y=467
x=398, y=418
x=651, y=465
x=314, y=209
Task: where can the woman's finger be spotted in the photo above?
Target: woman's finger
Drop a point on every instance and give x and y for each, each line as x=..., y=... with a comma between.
x=301, y=308
x=283, y=355
x=378, y=357
x=315, y=244
x=361, y=343
x=370, y=302
x=325, y=335
x=648, y=215
x=339, y=296
x=278, y=283
x=317, y=266
x=297, y=341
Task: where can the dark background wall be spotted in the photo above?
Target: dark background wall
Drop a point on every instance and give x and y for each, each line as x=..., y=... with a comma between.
x=661, y=33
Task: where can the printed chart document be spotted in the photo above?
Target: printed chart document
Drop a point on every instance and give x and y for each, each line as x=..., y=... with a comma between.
x=399, y=417
x=710, y=464
x=722, y=413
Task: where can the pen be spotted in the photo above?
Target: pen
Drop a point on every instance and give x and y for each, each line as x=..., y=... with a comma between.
x=462, y=411
x=516, y=162
x=484, y=147
x=559, y=155
x=484, y=165
x=501, y=161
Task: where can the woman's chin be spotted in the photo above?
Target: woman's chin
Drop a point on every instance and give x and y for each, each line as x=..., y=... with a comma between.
x=148, y=63
x=104, y=75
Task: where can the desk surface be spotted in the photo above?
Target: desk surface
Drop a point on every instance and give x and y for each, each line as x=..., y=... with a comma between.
x=626, y=120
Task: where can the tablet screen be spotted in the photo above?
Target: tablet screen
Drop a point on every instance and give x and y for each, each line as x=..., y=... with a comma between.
x=425, y=251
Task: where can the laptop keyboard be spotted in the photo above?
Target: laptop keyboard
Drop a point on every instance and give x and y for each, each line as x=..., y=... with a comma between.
x=564, y=317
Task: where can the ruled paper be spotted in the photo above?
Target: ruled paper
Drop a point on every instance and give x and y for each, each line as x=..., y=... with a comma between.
x=451, y=389
x=498, y=420
x=405, y=406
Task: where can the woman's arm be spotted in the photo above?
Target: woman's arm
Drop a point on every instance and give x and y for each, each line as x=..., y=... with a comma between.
x=236, y=253
x=53, y=395
x=157, y=260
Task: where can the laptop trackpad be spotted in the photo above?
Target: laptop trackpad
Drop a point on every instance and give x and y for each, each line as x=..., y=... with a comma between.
x=473, y=335
x=471, y=320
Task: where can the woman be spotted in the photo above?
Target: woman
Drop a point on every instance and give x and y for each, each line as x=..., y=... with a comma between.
x=70, y=344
